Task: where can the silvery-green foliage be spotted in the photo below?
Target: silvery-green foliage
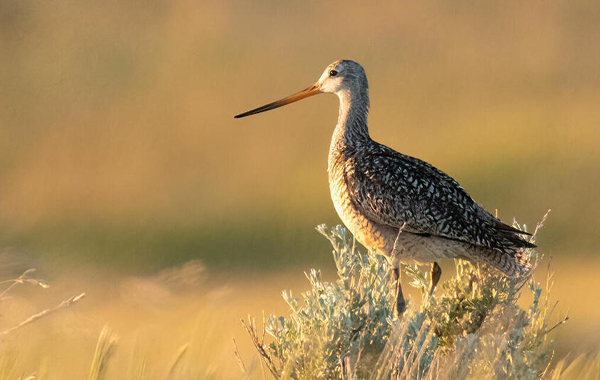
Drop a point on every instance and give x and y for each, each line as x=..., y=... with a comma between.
x=346, y=329
x=478, y=312
x=334, y=324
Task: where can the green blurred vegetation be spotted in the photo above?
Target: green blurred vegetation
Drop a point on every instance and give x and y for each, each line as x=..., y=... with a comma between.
x=118, y=138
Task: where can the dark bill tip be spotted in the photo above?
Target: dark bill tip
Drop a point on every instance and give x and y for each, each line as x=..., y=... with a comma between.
x=313, y=90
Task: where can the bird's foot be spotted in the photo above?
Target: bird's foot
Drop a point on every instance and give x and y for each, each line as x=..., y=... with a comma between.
x=400, y=307
x=400, y=301
x=436, y=273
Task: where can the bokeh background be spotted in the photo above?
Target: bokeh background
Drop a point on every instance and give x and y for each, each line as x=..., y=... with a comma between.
x=120, y=160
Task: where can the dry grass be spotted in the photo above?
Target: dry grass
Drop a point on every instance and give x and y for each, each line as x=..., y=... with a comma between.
x=165, y=326
x=26, y=278
x=105, y=348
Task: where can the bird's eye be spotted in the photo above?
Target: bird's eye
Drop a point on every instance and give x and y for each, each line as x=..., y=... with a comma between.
x=332, y=73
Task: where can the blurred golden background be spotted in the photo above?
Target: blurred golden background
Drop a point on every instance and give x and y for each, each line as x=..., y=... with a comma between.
x=120, y=156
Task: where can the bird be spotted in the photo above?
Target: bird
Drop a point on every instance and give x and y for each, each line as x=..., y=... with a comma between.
x=400, y=206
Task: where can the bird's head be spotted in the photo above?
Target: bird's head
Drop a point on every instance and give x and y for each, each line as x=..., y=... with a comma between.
x=338, y=77
x=342, y=76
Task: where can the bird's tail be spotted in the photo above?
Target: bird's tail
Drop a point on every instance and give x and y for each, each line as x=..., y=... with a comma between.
x=510, y=253
x=512, y=264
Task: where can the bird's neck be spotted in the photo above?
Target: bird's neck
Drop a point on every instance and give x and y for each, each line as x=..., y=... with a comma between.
x=351, y=130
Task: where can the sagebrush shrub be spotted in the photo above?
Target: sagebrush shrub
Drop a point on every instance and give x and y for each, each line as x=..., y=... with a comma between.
x=346, y=329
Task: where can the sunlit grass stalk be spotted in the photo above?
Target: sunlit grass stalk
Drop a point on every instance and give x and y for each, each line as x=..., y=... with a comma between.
x=584, y=367
x=64, y=304
x=105, y=348
x=22, y=279
x=177, y=362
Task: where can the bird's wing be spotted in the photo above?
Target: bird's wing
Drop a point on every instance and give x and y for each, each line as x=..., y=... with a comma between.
x=401, y=191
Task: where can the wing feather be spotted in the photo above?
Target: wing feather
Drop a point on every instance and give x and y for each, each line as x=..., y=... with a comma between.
x=398, y=190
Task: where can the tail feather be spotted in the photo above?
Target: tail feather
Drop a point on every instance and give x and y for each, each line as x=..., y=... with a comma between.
x=506, y=228
x=512, y=264
x=511, y=237
x=517, y=241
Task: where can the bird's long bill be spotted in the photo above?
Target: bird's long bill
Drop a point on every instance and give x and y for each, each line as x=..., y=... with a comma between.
x=313, y=90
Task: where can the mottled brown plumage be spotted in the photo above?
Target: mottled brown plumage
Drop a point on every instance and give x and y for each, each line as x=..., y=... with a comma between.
x=401, y=206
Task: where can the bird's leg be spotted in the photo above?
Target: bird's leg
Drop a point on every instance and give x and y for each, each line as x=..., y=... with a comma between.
x=400, y=302
x=436, y=273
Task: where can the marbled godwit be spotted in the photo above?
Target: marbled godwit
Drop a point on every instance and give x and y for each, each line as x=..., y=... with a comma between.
x=403, y=207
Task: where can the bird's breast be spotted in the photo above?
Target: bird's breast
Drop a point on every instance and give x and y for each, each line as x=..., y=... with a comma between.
x=341, y=186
